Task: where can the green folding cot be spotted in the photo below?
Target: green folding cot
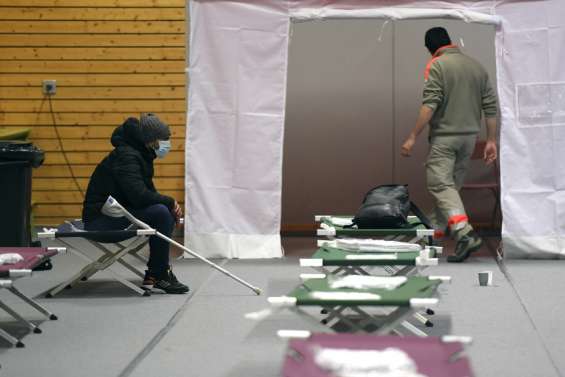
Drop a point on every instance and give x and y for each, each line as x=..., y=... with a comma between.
x=338, y=226
x=335, y=260
x=354, y=303
x=332, y=260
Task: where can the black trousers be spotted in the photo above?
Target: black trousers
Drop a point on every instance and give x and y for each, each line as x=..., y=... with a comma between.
x=158, y=217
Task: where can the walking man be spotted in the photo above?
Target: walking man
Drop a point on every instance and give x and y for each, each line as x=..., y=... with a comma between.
x=457, y=91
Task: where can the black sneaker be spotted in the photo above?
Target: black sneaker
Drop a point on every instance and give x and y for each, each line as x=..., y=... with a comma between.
x=168, y=283
x=173, y=279
x=466, y=245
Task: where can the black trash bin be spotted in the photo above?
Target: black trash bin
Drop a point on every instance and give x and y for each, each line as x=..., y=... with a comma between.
x=17, y=158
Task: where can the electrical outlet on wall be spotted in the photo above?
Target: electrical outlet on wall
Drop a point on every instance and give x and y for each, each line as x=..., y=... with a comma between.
x=49, y=87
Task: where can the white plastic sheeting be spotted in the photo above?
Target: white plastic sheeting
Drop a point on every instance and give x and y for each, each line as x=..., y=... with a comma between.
x=237, y=73
x=305, y=14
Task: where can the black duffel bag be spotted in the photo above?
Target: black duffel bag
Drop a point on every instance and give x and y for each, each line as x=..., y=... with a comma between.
x=387, y=206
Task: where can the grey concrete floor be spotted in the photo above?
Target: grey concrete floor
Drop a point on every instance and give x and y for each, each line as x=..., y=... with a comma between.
x=106, y=330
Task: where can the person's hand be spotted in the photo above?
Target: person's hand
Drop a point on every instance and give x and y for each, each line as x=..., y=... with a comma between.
x=490, y=152
x=406, y=150
x=177, y=212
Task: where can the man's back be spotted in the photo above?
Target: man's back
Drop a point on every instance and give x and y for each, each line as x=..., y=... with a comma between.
x=458, y=89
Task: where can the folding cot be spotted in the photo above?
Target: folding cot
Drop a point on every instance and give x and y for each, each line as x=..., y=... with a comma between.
x=337, y=226
x=352, y=303
x=307, y=355
x=31, y=257
x=330, y=258
x=123, y=242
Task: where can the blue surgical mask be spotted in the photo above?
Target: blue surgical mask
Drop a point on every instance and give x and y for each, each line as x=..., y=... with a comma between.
x=163, y=149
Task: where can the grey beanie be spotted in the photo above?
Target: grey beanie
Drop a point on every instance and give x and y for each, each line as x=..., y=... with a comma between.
x=152, y=128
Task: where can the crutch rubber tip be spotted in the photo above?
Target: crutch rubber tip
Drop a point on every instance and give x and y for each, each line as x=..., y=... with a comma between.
x=84, y=278
x=324, y=321
x=68, y=286
x=429, y=324
x=430, y=312
x=20, y=345
x=37, y=330
x=258, y=291
x=146, y=294
x=53, y=317
x=48, y=295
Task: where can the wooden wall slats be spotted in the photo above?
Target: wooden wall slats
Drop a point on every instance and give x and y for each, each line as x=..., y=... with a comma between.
x=93, y=53
x=93, y=27
x=92, y=40
x=112, y=59
x=156, y=92
x=81, y=66
x=79, y=119
x=86, y=79
x=71, y=13
x=88, y=132
x=98, y=3
x=88, y=106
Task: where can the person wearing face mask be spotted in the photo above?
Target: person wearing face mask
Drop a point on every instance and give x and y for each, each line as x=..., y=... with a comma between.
x=126, y=174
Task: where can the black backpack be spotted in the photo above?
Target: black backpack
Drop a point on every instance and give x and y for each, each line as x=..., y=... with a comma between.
x=387, y=206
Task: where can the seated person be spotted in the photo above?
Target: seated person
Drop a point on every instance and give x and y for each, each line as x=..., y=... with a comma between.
x=127, y=175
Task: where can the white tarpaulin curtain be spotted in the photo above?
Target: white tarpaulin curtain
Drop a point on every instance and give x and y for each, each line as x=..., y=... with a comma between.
x=236, y=108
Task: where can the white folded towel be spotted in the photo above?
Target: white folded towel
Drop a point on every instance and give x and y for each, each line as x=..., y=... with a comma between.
x=367, y=256
x=390, y=362
x=10, y=258
x=341, y=221
x=344, y=296
x=367, y=282
x=368, y=245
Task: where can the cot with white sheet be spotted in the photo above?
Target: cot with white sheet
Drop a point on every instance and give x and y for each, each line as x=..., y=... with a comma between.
x=30, y=258
x=351, y=303
x=307, y=354
x=330, y=258
x=337, y=226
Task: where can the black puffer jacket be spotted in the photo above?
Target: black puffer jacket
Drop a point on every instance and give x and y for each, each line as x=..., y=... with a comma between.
x=126, y=174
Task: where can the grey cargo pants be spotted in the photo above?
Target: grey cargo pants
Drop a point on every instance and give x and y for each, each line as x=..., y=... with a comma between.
x=446, y=166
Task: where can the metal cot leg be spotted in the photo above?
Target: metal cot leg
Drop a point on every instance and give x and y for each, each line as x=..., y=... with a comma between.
x=16, y=342
x=33, y=303
x=18, y=317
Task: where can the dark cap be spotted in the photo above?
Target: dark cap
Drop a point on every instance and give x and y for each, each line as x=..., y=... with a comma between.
x=152, y=128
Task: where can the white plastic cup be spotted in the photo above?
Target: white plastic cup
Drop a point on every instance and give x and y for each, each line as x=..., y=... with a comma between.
x=485, y=278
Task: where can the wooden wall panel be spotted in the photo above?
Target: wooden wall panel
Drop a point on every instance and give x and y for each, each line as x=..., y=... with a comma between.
x=72, y=13
x=93, y=53
x=111, y=59
x=106, y=27
x=90, y=80
x=92, y=40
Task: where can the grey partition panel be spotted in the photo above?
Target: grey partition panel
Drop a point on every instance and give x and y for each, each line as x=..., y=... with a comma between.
x=338, y=127
x=353, y=94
